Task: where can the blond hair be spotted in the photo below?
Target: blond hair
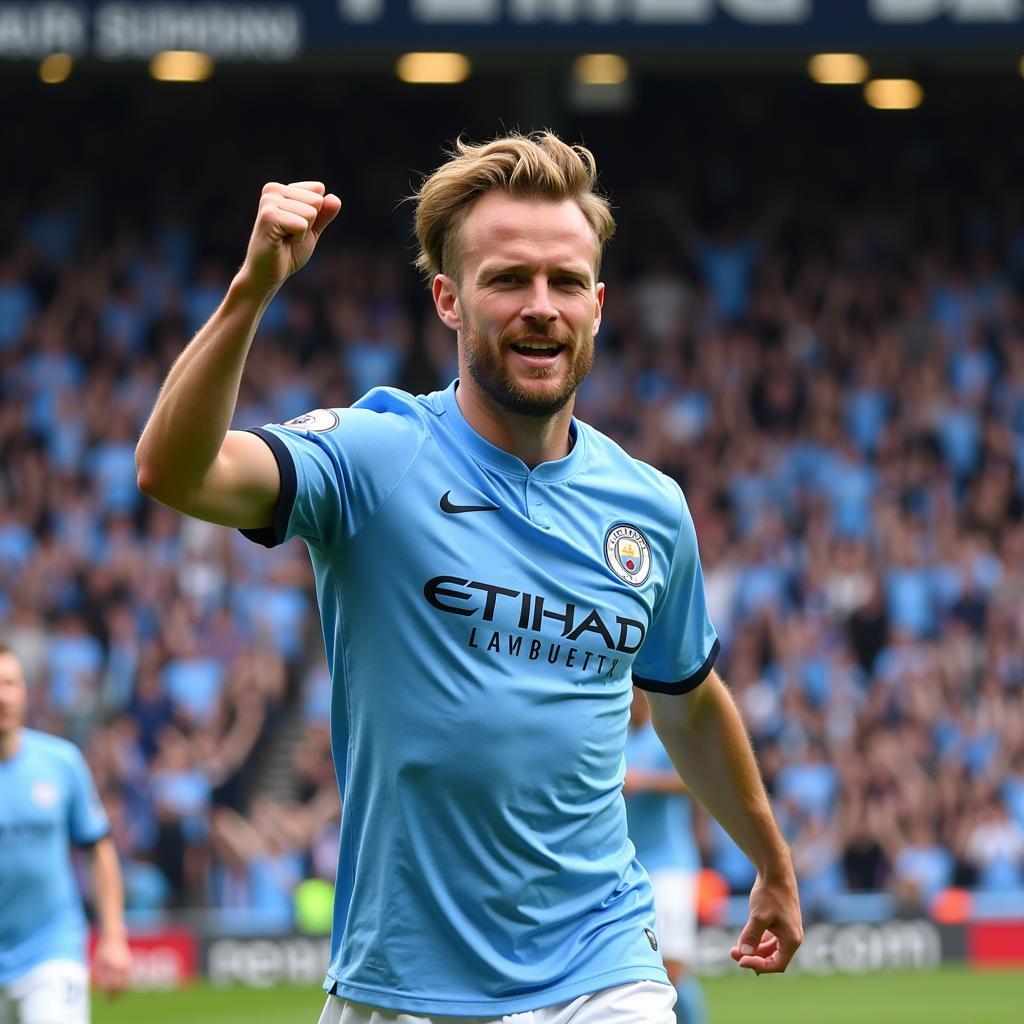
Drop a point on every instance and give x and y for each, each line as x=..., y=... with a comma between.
x=535, y=166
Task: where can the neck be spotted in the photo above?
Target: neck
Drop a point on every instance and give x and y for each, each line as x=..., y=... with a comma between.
x=534, y=439
x=10, y=742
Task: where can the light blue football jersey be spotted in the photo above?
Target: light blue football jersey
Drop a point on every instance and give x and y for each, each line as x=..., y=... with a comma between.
x=660, y=824
x=47, y=801
x=483, y=624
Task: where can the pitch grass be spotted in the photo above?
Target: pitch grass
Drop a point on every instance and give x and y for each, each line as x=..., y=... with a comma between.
x=949, y=996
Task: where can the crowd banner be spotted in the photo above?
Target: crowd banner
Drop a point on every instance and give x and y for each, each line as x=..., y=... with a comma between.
x=254, y=31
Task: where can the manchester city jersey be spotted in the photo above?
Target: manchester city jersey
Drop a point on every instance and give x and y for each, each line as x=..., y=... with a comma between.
x=47, y=800
x=483, y=624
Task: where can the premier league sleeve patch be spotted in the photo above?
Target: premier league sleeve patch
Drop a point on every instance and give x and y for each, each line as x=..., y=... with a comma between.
x=628, y=554
x=319, y=421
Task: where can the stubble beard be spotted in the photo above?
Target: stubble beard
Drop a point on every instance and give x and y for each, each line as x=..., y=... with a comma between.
x=484, y=362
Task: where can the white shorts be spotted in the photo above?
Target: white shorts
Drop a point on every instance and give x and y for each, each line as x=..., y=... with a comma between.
x=55, y=992
x=675, y=913
x=639, y=1002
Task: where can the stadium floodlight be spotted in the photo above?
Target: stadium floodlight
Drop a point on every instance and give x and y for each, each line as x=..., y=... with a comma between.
x=838, y=68
x=433, y=68
x=181, y=66
x=600, y=69
x=893, y=93
x=55, y=68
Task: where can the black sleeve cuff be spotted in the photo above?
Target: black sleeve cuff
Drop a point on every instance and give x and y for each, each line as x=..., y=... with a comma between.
x=683, y=685
x=90, y=843
x=271, y=536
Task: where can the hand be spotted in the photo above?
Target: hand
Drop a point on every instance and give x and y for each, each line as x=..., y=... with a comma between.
x=774, y=930
x=112, y=964
x=290, y=221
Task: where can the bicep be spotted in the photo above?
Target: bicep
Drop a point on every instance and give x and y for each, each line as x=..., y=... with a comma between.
x=242, y=486
x=674, y=713
x=102, y=851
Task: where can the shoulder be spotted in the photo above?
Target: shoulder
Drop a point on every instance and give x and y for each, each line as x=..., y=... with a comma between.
x=42, y=746
x=381, y=411
x=47, y=744
x=385, y=426
x=394, y=407
x=657, y=493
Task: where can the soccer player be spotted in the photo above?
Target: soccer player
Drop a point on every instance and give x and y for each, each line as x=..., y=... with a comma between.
x=492, y=576
x=47, y=801
x=660, y=825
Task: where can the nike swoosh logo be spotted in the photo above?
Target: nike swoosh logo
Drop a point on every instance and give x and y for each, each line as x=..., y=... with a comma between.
x=447, y=506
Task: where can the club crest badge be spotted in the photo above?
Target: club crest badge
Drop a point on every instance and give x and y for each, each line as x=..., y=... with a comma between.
x=628, y=554
x=44, y=793
x=319, y=421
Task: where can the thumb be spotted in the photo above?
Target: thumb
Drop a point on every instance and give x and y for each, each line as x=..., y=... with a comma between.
x=328, y=211
x=750, y=937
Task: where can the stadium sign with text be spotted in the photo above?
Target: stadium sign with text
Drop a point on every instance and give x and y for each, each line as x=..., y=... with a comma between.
x=265, y=961
x=253, y=31
x=163, y=959
x=852, y=948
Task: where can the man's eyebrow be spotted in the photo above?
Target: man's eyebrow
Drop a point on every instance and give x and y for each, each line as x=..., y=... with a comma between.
x=487, y=269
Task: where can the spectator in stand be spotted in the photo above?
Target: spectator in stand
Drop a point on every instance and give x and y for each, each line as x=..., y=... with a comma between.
x=265, y=856
x=994, y=846
x=864, y=862
x=921, y=865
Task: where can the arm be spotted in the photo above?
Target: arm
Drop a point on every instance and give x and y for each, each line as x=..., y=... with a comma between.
x=640, y=781
x=187, y=458
x=235, y=745
x=113, y=958
x=704, y=735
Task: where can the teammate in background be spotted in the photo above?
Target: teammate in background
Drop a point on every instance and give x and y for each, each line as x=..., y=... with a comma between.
x=493, y=575
x=47, y=802
x=659, y=817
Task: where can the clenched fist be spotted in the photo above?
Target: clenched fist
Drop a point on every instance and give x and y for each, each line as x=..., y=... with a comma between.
x=289, y=223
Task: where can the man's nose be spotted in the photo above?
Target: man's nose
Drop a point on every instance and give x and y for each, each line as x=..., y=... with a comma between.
x=538, y=307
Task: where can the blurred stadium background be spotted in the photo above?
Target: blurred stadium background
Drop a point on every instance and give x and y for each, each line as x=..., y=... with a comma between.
x=815, y=322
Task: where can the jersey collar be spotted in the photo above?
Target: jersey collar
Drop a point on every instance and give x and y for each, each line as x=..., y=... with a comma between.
x=503, y=461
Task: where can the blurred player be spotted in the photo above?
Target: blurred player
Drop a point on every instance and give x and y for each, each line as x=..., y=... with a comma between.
x=492, y=575
x=47, y=802
x=660, y=826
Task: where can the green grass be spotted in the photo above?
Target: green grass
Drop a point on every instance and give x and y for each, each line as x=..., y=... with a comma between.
x=952, y=995
x=949, y=996
x=202, y=1004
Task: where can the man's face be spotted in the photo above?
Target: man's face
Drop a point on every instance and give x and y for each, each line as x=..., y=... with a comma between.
x=13, y=694
x=527, y=305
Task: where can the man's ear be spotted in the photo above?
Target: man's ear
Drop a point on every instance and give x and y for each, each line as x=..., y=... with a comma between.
x=598, y=306
x=446, y=302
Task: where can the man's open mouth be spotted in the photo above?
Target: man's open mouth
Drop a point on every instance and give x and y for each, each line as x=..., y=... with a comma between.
x=537, y=348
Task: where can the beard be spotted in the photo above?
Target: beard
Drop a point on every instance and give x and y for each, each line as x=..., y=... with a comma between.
x=484, y=361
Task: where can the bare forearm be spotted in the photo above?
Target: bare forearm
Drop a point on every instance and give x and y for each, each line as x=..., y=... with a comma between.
x=108, y=891
x=197, y=401
x=670, y=783
x=712, y=752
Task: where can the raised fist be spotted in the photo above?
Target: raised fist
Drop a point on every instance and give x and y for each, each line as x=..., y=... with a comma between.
x=288, y=225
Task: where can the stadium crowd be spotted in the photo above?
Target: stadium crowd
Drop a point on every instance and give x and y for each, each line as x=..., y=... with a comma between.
x=838, y=389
